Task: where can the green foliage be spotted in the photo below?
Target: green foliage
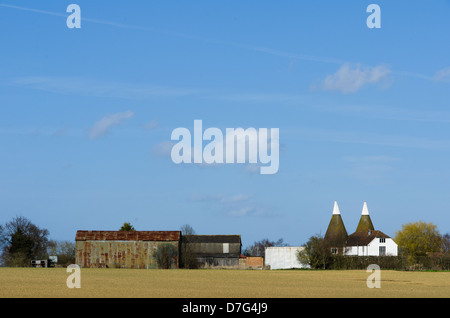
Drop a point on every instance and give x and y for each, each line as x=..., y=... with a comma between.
x=316, y=253
x=127, y=227
x=22, y=241
x=417, y=239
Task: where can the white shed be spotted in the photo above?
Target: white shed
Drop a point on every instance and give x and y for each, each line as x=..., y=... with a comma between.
x=283, y=257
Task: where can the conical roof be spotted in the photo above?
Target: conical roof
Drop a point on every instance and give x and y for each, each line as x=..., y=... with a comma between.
x=336, y=234
x=365, y=223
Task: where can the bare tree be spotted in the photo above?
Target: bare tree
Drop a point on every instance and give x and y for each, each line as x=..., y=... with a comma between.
x=188, y=256
x=187, y=230
x=165, y=255
x=259, y=248
x=64, y=250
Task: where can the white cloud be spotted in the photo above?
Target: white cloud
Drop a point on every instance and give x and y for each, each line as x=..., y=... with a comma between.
x=151, y=125
x=442, y=75
x=372, y=170
x=350, y=80
x=239, y=205
x=221, y=198
x=357, y=137
x=163, y=149
x=370, y=159
x=104, y=125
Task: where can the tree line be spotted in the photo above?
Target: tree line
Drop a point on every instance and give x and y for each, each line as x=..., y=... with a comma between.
x=22, y=241
x=420, y=246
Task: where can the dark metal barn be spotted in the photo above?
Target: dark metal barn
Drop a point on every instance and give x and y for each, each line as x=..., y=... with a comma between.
x=214, y=250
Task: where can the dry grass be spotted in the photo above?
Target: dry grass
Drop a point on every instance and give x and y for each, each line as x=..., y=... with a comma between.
x=51, y=282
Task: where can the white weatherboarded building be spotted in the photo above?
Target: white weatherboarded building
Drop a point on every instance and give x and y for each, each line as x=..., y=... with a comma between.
x=367, y=241
x=370, y=243
x=283, y=257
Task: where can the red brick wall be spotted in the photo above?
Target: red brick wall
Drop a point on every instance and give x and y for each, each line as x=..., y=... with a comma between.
x=255, y=262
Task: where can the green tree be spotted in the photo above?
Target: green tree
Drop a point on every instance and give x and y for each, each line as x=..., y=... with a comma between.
x=417, y=238
x=127, y=227
x=316, y=253
x=22, y=241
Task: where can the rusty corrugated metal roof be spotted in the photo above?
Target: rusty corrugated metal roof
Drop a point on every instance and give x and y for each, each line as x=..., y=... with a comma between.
x=128, y=236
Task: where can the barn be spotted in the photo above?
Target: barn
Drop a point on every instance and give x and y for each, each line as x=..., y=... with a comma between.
x=126, y=249
x=214, y=250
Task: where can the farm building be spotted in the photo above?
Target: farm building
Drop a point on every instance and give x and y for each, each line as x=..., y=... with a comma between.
x=283, y=257
x=251, y=262
x=336, y=235
x=368, y=242
x=365, y=241
x=126, y=249
x=214, y=250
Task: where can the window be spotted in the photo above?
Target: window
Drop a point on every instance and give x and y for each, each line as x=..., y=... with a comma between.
x=382, y=240
x=226, y=248
x=334, y=250
x=382, y=250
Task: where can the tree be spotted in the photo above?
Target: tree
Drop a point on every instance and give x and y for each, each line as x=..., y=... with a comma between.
x=258, y=248
x=188, y=257
x=316, y=253
x=22, y=241
x=127, y=227
x=65, y=250
x=165, y=255
x=187, y=230
x=446, y=243
x=418, y=238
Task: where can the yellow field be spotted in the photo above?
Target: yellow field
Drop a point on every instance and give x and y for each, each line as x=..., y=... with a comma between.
x=51, y=282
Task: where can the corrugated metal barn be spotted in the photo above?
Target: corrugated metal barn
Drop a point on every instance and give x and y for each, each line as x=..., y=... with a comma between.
x=214, y=250
x=124, y=249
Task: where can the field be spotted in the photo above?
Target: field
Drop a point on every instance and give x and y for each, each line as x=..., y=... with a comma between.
x=51, y=282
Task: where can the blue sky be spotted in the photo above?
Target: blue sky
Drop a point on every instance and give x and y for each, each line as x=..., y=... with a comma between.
x=87, y=114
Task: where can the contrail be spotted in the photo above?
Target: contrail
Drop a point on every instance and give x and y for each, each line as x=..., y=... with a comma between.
x=84, y=19
x=32, y=10
x=260, y=49
x=191, y=37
